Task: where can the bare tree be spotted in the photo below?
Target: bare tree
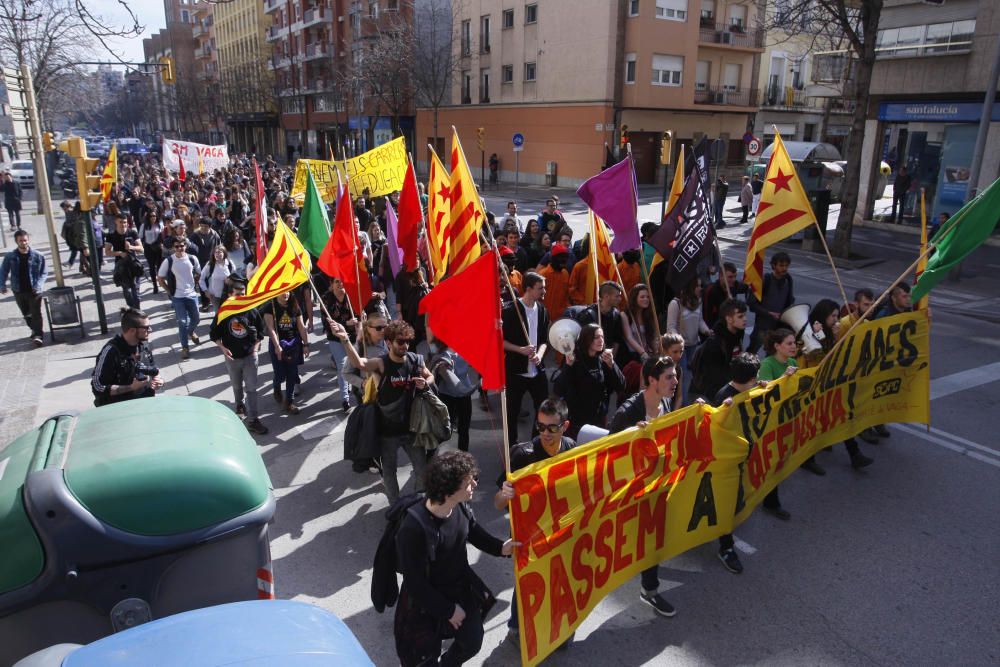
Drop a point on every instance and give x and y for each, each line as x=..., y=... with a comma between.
x=384, y=64
x=435, y=64
x=855, y=24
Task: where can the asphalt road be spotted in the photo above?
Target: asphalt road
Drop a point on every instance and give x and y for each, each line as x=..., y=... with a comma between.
x=893, y=565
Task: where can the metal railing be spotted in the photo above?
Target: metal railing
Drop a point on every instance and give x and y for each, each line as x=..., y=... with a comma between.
x=726, y=97
x=732, y=35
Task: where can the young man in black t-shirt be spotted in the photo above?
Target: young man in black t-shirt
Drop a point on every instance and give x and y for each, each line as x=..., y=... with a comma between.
x=124, y=244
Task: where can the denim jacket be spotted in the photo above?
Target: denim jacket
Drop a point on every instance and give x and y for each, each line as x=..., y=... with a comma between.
x=36, y=271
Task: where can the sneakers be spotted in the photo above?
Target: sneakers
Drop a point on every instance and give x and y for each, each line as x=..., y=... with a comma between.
x=290, y=408
x=859, y=461
x=731, y=560
x=195, y=339
x=254, y=426
x=346, y=405
x=813, y=467
x=659, y=605
x=778, y=512
x=241, y=410
x=185, y=353
x=278, y=396
x=881, y=431
x=37, y=341
x=870, y=436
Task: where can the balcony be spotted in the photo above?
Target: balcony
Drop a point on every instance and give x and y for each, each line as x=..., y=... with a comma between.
x=203, y=53
x=272, y=5
x=315, y=51
x=317, y=86
x=316, y=16
x=198, y=30
x=726, y=97
x=275, y=33
x=786, y=98
x=278, y=63
x=739, y=37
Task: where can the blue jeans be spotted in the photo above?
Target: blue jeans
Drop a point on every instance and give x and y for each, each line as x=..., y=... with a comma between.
x=186, y=311
x=338, y=355
x=130, y=290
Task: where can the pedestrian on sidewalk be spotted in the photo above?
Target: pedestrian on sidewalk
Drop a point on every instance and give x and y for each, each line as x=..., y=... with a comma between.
x=757, y=186
x=125, y=369
x=26, y=268
x=900, y=188
x=178, y=275
x=746, y=199
x=721, y=192
x=239, y=337
x=67, y=230
x=151, y=236
x=12, y=200
x=123, y=244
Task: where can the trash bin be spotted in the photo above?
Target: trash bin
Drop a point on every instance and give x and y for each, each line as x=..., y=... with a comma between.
x=820, y=202
x=271, y=633
x=127, y=512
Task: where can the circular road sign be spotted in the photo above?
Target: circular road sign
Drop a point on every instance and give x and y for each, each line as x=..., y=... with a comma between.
x=754, y=146
x=518, y=139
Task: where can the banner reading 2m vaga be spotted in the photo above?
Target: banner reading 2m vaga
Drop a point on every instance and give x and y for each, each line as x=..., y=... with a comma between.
x=596, y=516
x=380, y=171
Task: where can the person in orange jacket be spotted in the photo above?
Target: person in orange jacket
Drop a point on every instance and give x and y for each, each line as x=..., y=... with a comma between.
x=556, y=276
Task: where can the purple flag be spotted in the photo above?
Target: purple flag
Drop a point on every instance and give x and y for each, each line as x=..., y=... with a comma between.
x=613, y=196
x=395, y=252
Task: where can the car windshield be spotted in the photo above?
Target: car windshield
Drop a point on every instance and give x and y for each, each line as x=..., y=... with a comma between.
x=21, y=165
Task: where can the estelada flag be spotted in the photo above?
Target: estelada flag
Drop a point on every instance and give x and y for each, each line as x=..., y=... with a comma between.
x=467, y=214
x=601, y=260
x=438, y=215
x=285, y=267
x=342, y=257
x=110, y=175
x=464, y=312
x=784, y=210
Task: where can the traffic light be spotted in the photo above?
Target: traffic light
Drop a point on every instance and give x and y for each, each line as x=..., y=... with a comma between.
x=665, y=142
x=88, y=183
x=625, y=137
x=48, y=143
x=167, y=74
x=481, y=138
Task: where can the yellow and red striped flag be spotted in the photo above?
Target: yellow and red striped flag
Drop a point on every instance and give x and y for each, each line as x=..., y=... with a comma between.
x=784, y=210
x=285, y=267
x=467, y=214
x=601, y=260
x=110, y=174
x=438, y=215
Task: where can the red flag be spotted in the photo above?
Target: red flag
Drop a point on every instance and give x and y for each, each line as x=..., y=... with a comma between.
x=260, y=213
x=181, y=174
x=342, y=258
x=409, y=217
x=464, y=312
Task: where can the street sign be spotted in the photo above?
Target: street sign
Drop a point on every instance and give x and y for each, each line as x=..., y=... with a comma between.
x=518, y=142
x=747, y=138
x=754, y=146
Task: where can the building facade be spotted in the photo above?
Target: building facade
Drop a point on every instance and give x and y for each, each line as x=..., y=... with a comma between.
x=572, y=88
x=927, y=93
x=248, y=100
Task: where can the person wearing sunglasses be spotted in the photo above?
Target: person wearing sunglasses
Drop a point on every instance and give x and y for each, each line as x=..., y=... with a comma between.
x=402, y=373
x=125, y=368
x=551, y=423
x=659, y=376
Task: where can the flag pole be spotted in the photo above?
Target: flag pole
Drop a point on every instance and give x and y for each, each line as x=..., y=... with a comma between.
x=924, y=302
x=826, y=248
x=593, y=264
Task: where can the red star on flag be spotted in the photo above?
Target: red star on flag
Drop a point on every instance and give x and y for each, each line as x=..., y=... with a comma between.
x=781, y=181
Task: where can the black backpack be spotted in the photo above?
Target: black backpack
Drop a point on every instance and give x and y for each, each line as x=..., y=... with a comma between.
x=385, y=587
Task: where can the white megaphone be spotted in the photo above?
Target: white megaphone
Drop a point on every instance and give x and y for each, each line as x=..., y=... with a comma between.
x=797, y=319
x=563, y=334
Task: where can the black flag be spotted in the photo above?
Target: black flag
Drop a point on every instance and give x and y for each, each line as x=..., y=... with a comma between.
x=691, y=216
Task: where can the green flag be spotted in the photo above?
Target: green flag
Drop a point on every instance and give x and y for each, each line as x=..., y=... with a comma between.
x=314, y=225
x=975, y=222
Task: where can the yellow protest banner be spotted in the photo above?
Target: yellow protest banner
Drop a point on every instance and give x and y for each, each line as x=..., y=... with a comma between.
x=593, y=517
x=380, y=171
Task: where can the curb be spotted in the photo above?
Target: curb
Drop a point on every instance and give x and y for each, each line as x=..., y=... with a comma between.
x=912, y=230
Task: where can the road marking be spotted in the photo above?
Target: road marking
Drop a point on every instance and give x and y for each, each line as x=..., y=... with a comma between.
x=956, y=382
x=743, y=546
x=916, y=431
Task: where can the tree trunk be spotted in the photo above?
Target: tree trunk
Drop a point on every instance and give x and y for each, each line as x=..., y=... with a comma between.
x=862, y=83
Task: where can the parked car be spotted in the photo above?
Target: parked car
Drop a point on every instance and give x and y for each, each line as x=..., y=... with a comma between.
x=23, y=172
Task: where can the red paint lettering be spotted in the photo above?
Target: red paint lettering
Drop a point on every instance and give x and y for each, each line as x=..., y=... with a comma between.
x=561, y=603
x=622, y=559
x=531, y=594
x=558, y=506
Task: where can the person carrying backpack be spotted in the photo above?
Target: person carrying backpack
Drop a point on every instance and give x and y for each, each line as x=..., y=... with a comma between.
x=441, y=597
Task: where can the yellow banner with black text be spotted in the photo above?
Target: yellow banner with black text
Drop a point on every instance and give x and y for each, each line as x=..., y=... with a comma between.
x=596, y=516
x=380, y=171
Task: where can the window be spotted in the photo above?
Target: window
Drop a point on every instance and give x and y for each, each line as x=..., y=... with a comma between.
x=731, y=78
x=708, y=12
x=702, y=75
x=675, y=10
x=507, y=74
x=530, y=14
x=484, y=34
x=924, y=40
x=392, y=6
x=629, y=68
x=185, y=17
x=373, y=9
x=484, y=85
x=466, y=87
x=508, y=19
x=667, y=70
x=633, y=7
x=529, y=71
x=737, y=16
x=466, y=38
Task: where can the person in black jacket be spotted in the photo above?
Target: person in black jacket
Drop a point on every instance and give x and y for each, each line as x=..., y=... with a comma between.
x=710, y=367
x=523, y=355
x=12, y=200
x=588, y=379
x=440, y=588
x=239, y=337
x=778, y=294
x=125, y=368
x=660, y=378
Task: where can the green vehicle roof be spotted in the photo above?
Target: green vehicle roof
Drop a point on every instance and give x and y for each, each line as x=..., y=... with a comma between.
x=23, y=557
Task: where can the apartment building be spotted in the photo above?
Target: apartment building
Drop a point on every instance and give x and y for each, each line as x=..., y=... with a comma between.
x=249, y=106
x=318, y=48
x=206, y=72
x=928, y=88
x=571, y=77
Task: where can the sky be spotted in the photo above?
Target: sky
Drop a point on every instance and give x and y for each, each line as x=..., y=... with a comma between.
x=149, y=13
